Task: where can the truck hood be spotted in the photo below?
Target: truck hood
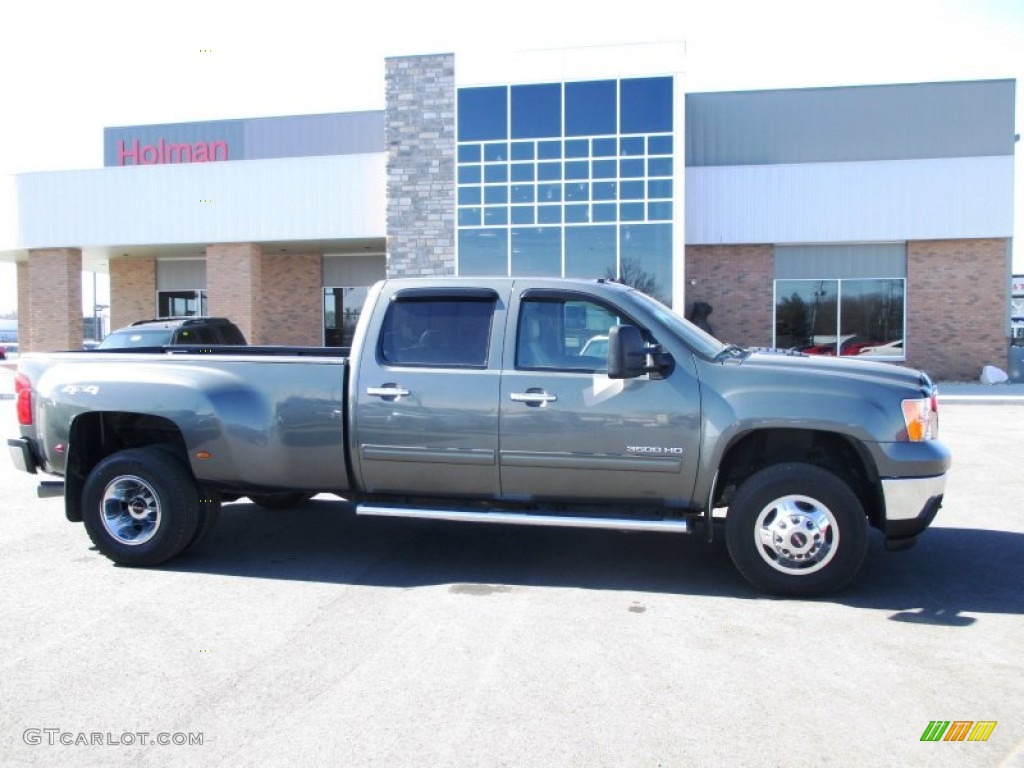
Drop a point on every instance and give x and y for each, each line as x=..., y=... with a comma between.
x=789, y=366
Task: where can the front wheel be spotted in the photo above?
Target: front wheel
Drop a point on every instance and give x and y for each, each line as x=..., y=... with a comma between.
x=797, y=530
x=140, y=506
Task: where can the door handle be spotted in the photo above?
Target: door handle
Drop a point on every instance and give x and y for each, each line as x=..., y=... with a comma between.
x=533, y=397
x=388, y=390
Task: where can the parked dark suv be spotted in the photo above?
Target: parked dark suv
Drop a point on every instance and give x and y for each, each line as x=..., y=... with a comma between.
x=167, y=331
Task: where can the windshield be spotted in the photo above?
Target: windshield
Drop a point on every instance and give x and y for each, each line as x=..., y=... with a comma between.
x=703, y=343
x=156, y=337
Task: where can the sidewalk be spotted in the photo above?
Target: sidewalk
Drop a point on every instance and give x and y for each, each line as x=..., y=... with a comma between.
x=971, y=393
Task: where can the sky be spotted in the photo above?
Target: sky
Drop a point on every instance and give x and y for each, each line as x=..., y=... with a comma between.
x=70, y=68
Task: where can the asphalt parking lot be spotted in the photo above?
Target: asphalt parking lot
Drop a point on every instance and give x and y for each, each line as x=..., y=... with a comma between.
x=313, y=637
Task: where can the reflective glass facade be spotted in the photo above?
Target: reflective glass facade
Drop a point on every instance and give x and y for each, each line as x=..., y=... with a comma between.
x=568, y=179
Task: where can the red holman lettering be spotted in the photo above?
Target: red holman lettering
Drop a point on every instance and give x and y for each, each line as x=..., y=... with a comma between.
x=165, y=152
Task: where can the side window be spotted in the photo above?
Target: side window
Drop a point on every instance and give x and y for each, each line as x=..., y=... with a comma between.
x=437, y=331
x=564, y=334
x=194, y=335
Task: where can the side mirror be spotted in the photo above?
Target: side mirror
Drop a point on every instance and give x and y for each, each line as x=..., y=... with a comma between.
x=627, y=353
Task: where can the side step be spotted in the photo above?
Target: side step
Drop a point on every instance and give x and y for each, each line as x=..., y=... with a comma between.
x=521, y=518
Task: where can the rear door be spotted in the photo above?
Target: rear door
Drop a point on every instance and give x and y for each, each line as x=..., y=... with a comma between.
x=426, y=405
x=569, y=432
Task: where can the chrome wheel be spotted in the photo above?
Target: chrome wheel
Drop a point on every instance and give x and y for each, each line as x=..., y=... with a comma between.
x=130, y=510
x=796, y=535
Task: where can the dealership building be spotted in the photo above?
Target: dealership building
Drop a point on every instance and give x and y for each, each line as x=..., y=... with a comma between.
x=871, y=220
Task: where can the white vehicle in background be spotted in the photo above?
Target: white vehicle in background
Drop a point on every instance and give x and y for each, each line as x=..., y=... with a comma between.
x=893, y=348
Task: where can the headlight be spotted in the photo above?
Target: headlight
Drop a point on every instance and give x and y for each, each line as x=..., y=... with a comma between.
x=922, y=419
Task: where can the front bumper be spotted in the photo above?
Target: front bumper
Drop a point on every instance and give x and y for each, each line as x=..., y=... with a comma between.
x=20, y=449
x=911, y=504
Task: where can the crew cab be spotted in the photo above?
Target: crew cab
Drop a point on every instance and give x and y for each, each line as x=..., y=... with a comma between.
x=520, y=401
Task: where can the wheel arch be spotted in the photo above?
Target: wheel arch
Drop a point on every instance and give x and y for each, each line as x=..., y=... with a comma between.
x=97, y=434
x=845, y=457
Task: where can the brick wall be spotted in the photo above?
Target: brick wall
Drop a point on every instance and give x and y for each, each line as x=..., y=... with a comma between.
x=54, y=291
x=420, y=135
x=736, y=280
x=132, y=291
x=956, y=292
x=234, y=281
x=23, y=299
x=291, y=306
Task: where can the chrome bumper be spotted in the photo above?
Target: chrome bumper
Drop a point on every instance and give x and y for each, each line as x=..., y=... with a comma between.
x=911, y=504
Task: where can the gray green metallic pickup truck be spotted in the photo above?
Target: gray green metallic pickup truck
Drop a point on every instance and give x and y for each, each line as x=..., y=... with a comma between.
x=522, y=401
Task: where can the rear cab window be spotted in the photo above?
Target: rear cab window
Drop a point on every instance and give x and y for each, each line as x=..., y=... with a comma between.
x=434, y=327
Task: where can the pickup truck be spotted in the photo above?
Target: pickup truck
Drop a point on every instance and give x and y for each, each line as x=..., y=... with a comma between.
x=522, y=401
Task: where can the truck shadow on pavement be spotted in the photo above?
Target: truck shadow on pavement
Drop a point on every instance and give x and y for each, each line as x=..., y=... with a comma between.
x=950, y=575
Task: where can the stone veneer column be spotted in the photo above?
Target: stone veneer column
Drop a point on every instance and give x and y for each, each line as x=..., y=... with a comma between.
x=420, y=135
x=234, y=284
x=737, y=281
x=956, y=295
x=53, y=310
x=132, y=291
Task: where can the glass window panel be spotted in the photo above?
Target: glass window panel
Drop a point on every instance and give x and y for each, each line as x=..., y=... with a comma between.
x=483, y=252
x=590, y=251
x=631, y=190
x=564, y=335
x=495, y=152
x=523, y=150
x=523, y=214
x=577, y=214
x=806, y=315
x=537, y=251
x=661, y=211
x=632, y=145
x=469, y=174
x=549, y=214
x=495, y=216
x=605, y=148
x=871, y=317
x=645, y=105
x=523, y=171
x=469, y=217
x=549, y=150
x=631, y=168
x=483, y=113
x=469, y=195
x=549, y=193
x=578, y=191
x=469, y=153
x=577, y=169
x=605, y=190
x=522, y=193
x=645, y=259
x=604, y=212
x=496, y=194
x=536, y=111
x=590, y=108
x=659, y=166
x=496, y=173
x=549, y=171
x=631, y=212
x=604, y=169
x=577, y=148
x=659, y=188
x=659, y=145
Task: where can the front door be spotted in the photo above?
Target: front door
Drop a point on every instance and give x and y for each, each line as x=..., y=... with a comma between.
x=569, y=432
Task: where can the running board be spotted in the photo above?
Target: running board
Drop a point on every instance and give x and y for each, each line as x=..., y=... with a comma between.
x=520, y=518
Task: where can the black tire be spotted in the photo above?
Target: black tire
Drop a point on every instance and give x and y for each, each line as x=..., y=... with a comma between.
x=796, y=530
x=209, y=514
x=140, y=506
x=285, y=500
